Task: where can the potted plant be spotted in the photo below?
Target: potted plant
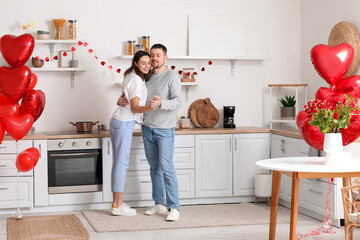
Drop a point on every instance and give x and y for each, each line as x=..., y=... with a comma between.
x=288, y=108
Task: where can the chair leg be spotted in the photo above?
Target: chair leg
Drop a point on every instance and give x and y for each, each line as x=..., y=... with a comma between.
x=256, y=199
x=349, y=232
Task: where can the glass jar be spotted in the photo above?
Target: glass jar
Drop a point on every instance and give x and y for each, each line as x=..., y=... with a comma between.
x=184, y=122
x=72, y=29
x=146, y=43
x=131, y=47
x=139, y=47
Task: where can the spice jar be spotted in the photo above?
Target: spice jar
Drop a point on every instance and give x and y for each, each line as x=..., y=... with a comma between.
x=184, y=122
x=139, y=47
x=131, y=47
x=72, y=29
x=146, y=43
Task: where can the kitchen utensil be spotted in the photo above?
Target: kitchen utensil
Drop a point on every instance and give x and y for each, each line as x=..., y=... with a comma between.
x=207, y=115
x=194, y=109
x=84, y=127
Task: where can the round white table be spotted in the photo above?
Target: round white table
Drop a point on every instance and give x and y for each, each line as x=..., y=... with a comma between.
x=298, y=168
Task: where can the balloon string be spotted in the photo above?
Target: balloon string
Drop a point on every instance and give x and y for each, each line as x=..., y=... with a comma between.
x=326, y=225
x=17, y=179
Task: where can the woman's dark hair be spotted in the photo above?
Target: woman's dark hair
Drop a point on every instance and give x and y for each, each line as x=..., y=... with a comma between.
x=136, y=59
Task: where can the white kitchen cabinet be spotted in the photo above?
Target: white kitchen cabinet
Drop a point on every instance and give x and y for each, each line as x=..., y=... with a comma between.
x=41, y=193
x=9, y=178
x=213, y=166
x=248, y=149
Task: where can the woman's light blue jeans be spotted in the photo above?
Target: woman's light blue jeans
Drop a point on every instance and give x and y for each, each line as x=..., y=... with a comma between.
x=121, y=135
x=159, y=151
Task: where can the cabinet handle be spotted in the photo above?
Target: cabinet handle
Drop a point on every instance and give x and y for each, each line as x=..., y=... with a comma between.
x=108, y=147
x=313, y=191
x=3, y=165
x=4, y=188
x=145, y=181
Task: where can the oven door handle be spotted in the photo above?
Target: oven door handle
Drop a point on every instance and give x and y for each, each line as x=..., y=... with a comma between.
x=72, y=154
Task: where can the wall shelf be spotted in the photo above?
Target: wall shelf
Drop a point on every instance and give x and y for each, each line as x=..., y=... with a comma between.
x=52, y=43
x=233, y=59
x=72, y=70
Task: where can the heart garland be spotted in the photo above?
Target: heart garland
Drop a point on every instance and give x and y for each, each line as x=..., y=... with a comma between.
x=332, y=63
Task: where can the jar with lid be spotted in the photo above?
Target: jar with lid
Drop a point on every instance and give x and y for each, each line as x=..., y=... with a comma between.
x=184, y=122
x=139, y=47
x=131, y=47
x=146, y=43
x=72, y=29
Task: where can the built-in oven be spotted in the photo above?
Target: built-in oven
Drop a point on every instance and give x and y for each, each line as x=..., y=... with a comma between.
x=74, y=165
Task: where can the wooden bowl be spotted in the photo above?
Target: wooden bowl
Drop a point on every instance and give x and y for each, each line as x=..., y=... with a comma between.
x=37, y=63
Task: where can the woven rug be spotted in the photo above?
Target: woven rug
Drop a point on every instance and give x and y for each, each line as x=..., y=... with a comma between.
x=191, y=217
x=55, y=227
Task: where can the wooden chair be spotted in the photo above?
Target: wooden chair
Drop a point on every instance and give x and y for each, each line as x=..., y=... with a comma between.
x=351, y=202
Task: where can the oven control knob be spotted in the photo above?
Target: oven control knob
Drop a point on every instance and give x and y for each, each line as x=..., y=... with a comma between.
x=88, y=143
x=61, y=144
x=74, y=144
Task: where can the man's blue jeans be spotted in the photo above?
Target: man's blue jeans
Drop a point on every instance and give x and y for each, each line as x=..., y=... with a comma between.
x=159, y=151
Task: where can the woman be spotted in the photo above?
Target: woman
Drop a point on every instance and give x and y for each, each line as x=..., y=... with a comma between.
x=122, y=124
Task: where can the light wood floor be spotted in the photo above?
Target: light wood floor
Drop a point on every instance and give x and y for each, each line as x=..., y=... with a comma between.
x=247, y=232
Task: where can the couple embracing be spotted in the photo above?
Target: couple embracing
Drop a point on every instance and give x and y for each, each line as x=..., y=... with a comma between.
x=151, y=97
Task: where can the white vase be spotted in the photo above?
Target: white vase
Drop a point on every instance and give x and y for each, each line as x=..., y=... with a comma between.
x=333, y=146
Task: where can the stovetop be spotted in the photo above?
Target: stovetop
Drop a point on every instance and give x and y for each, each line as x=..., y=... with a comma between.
x=69, y=133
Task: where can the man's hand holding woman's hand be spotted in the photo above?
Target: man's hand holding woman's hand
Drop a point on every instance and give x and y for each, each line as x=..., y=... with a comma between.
x=155, y=102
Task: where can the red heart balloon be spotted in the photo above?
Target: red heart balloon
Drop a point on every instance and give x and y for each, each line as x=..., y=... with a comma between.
x=14, y=82
x=7, y=107
x=351, y=133
x=27, y=159
x=332, y=63
x=17, y=50
x=18, y=126
x=311, y=134
x=349, y=85
x=324, y=93
x=33, y=81
x=33, y=103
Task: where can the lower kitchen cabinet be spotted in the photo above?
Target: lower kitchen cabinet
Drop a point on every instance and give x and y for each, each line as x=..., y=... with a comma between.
x=248, y=149
x=225, y=164
x=9, y=181
x=213, y=167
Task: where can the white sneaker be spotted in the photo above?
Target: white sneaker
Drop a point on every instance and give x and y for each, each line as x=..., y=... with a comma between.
x=123, y=210
x=174, y=215
x=157, y=209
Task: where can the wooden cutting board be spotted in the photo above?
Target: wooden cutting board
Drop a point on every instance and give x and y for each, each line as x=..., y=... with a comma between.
x=194, y=108
x=208, y=116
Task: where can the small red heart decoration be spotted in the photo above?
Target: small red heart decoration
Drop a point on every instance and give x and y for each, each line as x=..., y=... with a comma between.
x=332, y=63
x=18, y=126
x=102, y=63
x=33, y=103
x=27, y=159
x=17, y=50
x=14, y=82
x=118, y=70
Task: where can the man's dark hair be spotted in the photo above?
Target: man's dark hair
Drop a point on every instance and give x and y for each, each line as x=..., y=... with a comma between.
x=159, y=45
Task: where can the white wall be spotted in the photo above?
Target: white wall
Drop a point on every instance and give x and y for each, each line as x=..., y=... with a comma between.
x=317, y=20
x=272, y=25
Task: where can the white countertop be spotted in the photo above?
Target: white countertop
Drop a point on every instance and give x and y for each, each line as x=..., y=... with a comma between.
x=308, y=164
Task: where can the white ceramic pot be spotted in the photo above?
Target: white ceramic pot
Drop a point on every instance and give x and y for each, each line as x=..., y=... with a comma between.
x=333, y=147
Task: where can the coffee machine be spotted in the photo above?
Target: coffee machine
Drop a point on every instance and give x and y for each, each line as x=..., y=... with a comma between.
x=229, y=112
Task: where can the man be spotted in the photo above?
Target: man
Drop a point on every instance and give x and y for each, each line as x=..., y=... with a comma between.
x=158, y=134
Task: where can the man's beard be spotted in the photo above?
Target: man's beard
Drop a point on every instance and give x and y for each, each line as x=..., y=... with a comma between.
x=159, y=66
